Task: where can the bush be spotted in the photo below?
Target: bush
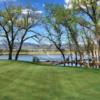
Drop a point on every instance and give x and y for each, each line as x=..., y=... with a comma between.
x=36, y=59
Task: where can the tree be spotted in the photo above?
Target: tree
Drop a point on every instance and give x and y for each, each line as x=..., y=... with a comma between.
x=8, y=17
x=90, y=9
x=16, y=24
x=27, y=22
x=54, y=30
x=67, y=18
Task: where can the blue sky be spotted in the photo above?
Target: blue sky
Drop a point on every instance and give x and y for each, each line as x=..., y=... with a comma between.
x=38, y=3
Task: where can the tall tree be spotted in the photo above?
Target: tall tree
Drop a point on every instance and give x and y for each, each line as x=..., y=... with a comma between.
x=8, y=17
x=16, y=22
x=90, y=9
x=27, y=22
x=54, y=30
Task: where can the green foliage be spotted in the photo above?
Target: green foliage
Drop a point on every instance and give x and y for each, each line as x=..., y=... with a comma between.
x=56, y=11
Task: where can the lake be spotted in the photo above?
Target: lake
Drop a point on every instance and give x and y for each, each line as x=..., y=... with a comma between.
x=30, y=57
x=41, y=57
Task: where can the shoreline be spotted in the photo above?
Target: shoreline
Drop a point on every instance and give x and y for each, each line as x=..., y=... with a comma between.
x=37, y=53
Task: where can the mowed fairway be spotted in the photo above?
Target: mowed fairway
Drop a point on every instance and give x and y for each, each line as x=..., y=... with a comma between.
x=26, y=81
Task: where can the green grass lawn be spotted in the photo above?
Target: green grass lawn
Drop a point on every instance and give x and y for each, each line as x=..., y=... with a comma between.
x=26, y=81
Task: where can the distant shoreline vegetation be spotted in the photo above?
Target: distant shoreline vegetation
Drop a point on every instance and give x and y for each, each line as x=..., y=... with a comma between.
x=35, y=52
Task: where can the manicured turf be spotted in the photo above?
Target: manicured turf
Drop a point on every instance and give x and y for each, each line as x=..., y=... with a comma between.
x=25, y=81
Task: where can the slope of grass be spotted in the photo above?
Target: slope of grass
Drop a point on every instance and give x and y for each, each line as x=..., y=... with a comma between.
x=25, y=81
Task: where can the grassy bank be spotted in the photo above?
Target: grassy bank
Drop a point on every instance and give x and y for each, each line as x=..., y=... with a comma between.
x=26, y=81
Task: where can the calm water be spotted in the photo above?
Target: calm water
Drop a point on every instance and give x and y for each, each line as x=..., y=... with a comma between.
x=30, y=57
x=41, y=57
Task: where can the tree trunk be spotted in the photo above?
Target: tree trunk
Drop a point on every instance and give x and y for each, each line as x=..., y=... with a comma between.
x=64, y=58
x=10, y=54
x=98, y=54
x=76, y=58
x=17, y=54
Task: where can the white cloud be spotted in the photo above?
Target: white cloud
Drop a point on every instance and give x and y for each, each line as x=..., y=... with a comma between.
x=68, y=4
x=98, y=3
x=66, y=1
x=26, y=11
x=38, y=12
